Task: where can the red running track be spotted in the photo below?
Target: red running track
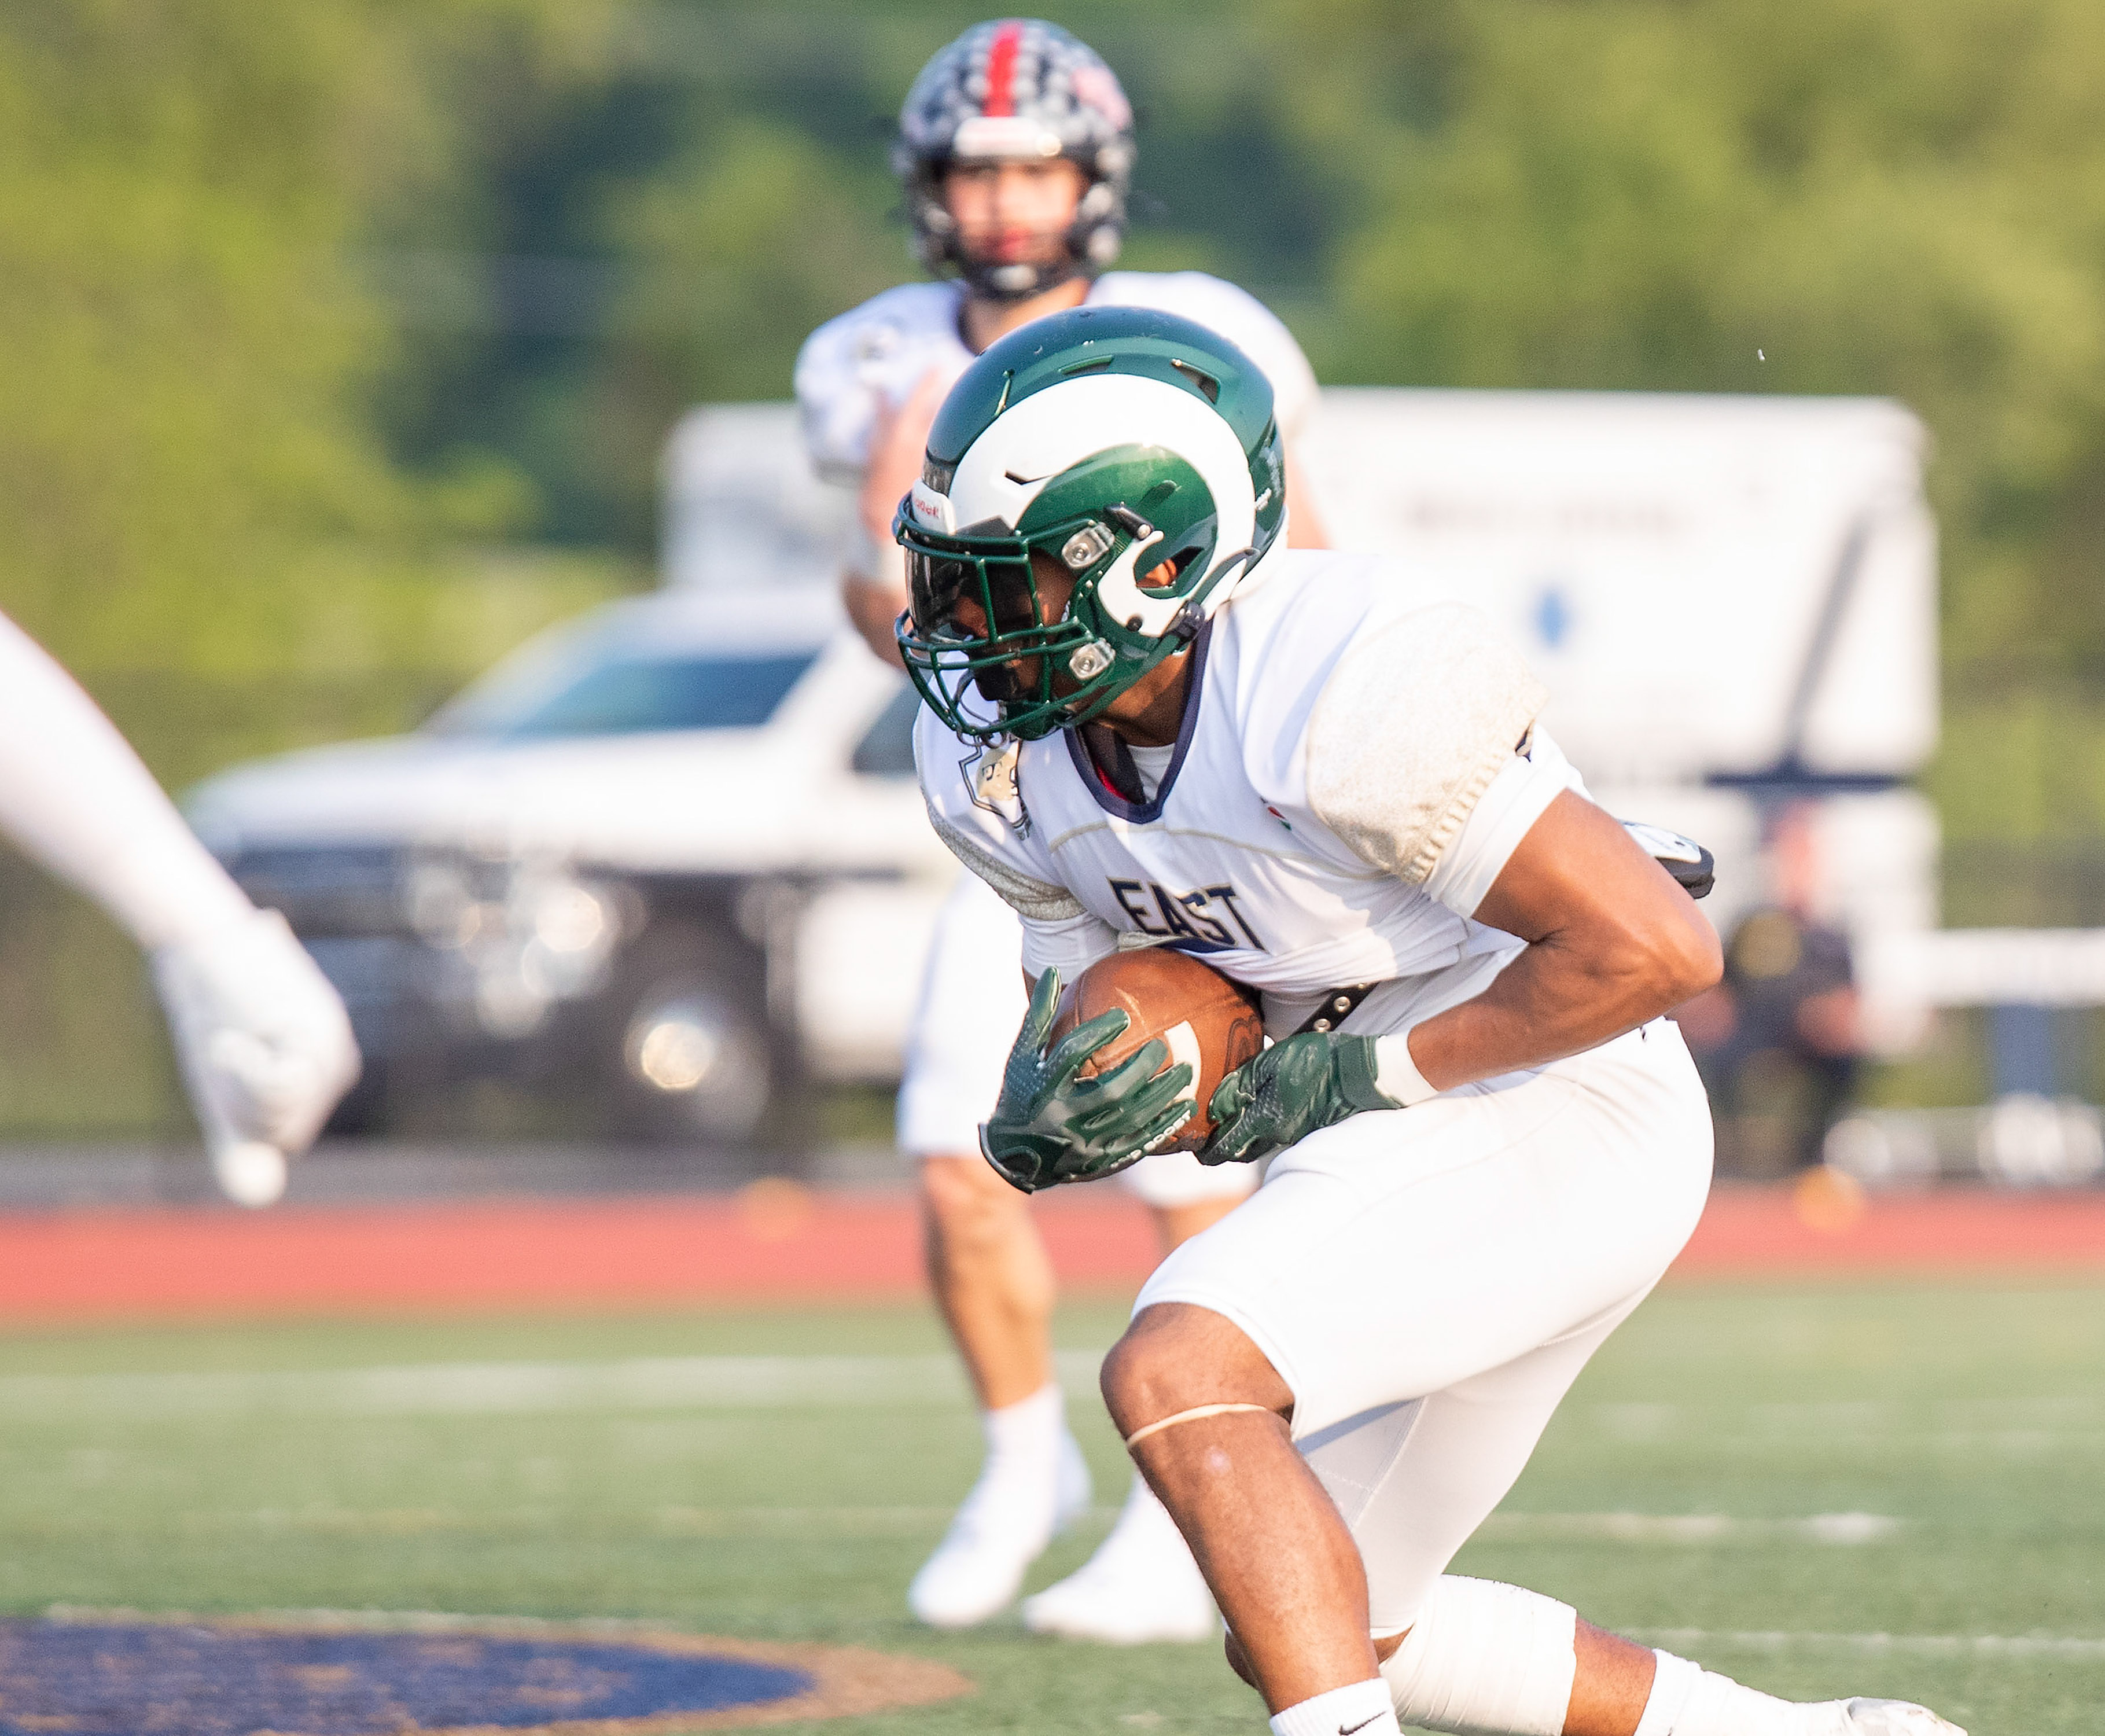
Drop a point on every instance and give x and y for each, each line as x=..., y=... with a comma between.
x=777, y=1243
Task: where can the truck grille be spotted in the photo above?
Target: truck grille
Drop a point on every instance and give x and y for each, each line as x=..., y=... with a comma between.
x=352, y=889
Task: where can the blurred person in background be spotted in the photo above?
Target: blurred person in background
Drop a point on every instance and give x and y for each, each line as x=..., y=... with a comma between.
x=1015, y=150
x=1780, y=1040
x=263, y=1041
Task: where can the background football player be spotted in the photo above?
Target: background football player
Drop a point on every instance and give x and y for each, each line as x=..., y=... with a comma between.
x=264, y=1044
x=1015, y=148
x=1480, y=1172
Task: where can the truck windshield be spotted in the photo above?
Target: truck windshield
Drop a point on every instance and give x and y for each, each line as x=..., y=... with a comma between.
x=630, y=695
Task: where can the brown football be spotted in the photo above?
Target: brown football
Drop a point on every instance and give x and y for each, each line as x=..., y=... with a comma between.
x=1203, y=1019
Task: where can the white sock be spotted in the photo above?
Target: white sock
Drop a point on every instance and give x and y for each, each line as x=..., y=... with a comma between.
x=1483, y=1657
x=1360, y=1710
x=1688, y=1700
x=1028, y=1429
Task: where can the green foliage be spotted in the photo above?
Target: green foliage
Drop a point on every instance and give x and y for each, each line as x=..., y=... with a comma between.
x=82, y=1049
x=191, y=354
x=180, y=329
x=1755, y=196
x=719, y=185
x=253, y=284
x=752, y=237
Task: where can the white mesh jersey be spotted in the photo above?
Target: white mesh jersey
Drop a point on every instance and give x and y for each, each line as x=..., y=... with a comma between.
x=876, y=354
x=1358, y=761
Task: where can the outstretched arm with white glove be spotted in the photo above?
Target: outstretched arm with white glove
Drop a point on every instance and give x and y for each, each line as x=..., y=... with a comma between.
x=264, y=1043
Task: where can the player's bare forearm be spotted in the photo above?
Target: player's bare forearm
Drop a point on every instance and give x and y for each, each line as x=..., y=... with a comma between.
x=873, y=606
x=1612, y=942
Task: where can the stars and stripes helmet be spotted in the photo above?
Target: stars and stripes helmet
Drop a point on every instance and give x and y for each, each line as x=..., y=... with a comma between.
x=1135, y=451
x=1016, y=89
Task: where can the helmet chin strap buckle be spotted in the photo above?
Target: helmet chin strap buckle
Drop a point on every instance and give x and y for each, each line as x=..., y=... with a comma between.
x=1191, y=618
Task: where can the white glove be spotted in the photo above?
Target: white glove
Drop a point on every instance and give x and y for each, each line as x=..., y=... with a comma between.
x=265, y=1045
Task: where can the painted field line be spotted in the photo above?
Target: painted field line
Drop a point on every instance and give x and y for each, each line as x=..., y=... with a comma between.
x=2015, y=1425
x=1686, y=1527
x=510, y=1388
x=817, y=1525
x=381, y=1621
x=1635, y=1415
x=1677, y=1530
x=830, y=1522
x=1934, y=1645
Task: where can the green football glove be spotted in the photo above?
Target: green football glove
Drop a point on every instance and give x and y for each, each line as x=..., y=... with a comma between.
x=1284, y=1093
x=1051, y=1127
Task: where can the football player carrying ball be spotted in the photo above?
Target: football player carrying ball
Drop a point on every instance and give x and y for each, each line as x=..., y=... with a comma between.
x=1325, y=773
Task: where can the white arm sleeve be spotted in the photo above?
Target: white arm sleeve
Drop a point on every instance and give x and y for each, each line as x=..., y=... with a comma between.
x=265, y=1045
x=1503, y=815
x=74, y=796
x=859, y=367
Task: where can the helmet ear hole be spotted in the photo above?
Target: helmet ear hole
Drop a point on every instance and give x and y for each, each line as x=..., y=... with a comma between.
x=1164, y=574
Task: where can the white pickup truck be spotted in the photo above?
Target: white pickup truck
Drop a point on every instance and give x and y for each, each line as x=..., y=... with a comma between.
x=672, y=854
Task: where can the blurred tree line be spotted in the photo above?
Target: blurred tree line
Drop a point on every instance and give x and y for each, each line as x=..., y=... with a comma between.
x=342, y=336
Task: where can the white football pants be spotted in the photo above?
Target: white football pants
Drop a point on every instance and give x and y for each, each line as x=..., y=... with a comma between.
x=972, y=1002
x=1429, y=1282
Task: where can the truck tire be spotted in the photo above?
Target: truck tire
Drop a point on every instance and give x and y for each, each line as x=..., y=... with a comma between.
x=688, y=1054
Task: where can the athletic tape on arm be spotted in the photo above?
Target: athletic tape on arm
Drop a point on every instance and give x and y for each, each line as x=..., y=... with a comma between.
x=1396, y=1075
x=75, y=796
x=1411, y=728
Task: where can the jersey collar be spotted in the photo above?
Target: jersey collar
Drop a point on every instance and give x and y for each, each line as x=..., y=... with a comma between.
x=1145, y=813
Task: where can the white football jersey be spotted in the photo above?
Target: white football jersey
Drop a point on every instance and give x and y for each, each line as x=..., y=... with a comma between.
x=1357, y=762
x=876, y=354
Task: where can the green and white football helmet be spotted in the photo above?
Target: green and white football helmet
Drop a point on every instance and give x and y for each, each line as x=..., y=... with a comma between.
x=1135, y=449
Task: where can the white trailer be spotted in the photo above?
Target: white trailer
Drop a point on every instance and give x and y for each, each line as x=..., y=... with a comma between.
x=1733, y=600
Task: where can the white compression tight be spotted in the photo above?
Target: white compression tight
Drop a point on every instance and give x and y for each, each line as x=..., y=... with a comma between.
x=1414, y=1480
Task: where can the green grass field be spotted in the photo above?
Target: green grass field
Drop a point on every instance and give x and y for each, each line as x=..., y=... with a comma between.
x=748, y=1488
